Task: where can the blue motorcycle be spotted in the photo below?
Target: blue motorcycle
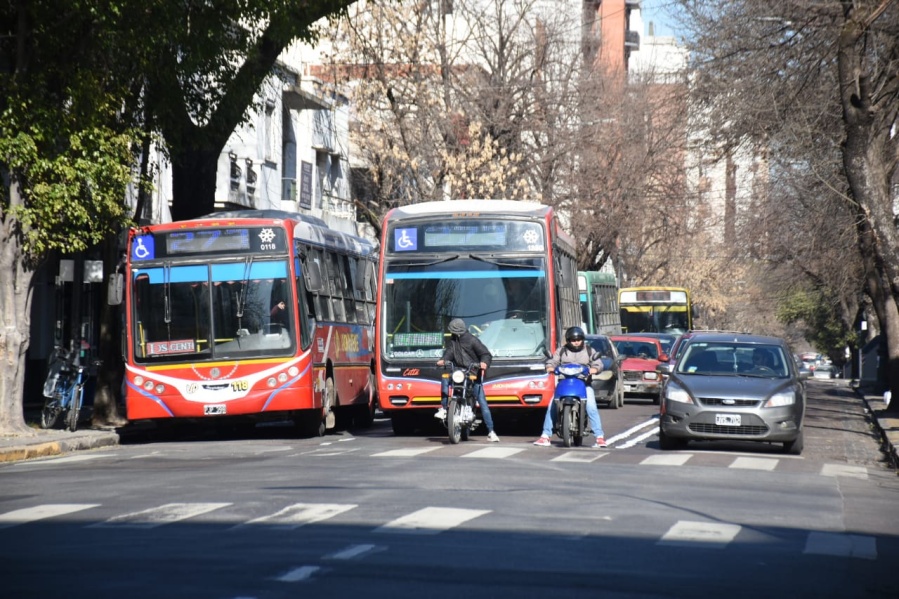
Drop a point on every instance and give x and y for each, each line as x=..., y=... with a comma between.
x=571, y=403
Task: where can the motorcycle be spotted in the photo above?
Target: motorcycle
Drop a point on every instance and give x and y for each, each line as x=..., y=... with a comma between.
x=462, y=401
x=571, y=403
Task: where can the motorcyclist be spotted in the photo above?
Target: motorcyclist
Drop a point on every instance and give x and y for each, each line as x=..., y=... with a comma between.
x=575, y=351
x=462, y=349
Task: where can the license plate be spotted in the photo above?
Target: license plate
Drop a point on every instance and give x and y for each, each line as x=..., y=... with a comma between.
x=217, y=409
x=629, y=387
x=727, y=419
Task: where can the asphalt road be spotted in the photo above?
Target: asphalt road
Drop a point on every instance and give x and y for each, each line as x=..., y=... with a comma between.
x=366, y=513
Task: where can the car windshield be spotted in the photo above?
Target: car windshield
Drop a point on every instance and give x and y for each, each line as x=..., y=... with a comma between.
x=636, y=348
x=602, y=345
x=734, y=359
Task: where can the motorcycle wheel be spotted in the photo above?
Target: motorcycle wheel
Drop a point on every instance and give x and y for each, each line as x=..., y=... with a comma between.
x=50, y=412
x=567, y=432
x=579, y=425
x=74, y=408
x=454, y=420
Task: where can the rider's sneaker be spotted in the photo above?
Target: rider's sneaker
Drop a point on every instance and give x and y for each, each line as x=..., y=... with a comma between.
x=492, y=437
x=441, y=414
x=543, y=441
x=600, y=443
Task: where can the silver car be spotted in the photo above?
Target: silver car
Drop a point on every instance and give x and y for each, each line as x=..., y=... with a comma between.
x=735, y=387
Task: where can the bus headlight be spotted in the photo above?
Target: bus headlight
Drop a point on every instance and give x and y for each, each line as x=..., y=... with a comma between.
x=282, y=377
x=271, y=382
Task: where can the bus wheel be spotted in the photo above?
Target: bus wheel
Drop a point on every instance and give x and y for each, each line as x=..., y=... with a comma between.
x=309, y=423
x=403, y=424
x=329, y=403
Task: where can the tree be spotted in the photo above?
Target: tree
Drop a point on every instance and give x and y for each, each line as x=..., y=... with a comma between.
x=816, y=83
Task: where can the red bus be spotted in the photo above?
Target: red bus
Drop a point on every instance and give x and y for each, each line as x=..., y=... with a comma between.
x=256, y=314
x=506, y=267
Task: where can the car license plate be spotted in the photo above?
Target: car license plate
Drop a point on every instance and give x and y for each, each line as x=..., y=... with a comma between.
x=727, y=419
x=217, y=409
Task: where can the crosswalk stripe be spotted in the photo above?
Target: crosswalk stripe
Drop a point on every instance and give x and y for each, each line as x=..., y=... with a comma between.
x=584, y=457
x=673, y=459
x=713, y=535
x=755, y=463
x=158, y=516
x=298, y=514
x=41, y=512
x=430, y=520
x=496, y=453
x=844, y=470
x=404, y=453
x=843, y=545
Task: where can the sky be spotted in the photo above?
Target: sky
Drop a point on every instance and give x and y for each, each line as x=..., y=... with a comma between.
x=657, y=12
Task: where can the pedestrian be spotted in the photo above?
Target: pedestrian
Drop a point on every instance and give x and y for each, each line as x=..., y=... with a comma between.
x=574, y=351
x=463, y=349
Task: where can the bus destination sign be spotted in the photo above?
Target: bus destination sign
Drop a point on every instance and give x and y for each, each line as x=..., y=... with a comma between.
x=472, y=234
x=194, y=242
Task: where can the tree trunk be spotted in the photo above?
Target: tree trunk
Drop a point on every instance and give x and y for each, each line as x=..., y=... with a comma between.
x=109, y=376
x=193, y=182
x=15, y=322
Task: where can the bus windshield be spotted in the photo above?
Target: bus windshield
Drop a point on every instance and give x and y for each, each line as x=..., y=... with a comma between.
x=503, y=302
x=655, y=319
x=212, y=311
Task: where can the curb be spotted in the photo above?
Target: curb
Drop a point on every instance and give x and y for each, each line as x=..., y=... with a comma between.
x=887, y=426
x=21, y=449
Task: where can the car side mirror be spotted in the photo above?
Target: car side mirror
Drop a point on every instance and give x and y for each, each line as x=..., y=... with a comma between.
x=663, y=357
x=664, y=368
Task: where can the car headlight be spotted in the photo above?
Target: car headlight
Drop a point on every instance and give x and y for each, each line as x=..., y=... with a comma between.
x=651, y=376
x=675, y=393
x=784, y=398
x=458, y=377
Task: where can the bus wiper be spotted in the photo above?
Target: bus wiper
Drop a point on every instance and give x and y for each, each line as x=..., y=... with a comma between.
x=441, y=261
x=167, y=296
x=244, y=291
x=498, y=263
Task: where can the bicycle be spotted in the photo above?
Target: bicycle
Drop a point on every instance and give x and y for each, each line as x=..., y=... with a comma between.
x=64, y=389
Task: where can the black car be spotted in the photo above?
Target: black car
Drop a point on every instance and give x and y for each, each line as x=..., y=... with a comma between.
x=607, y=385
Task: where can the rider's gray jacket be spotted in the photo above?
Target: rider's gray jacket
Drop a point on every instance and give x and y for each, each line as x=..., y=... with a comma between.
x=586, y=356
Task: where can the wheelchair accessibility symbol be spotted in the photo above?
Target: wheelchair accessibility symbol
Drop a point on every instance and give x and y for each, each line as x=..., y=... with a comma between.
x=143, y=248
x=405, y=240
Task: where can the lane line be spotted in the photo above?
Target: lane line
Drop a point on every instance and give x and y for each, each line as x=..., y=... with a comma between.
x=41, y=512
x=430, y=520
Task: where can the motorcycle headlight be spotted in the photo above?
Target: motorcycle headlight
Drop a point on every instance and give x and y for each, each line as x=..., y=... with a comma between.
x=570, y=369
x=458, y=377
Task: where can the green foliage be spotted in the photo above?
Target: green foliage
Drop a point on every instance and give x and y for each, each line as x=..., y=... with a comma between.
x=816, y=312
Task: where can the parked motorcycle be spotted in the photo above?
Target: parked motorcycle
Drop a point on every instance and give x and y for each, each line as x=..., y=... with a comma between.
x=571, y=403
x=462, y=401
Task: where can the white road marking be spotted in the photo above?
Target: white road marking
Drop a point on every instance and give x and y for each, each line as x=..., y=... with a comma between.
x=755, y=463
x=65, y=460
x=41, y=512
x=713, y=535
x=844, y=470
x=353, y=551
x=298, y=514
x=495, y=453
x=404, y=453
x=671, y=459
x=654, y=422
x=158, y=516
x=650, y=433
x=843, y=545
x=430, y=520
x=298, y=574
x=584, y=457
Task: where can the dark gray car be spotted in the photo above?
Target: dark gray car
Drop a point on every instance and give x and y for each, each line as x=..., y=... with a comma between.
x=733, y=386
x=607, y=384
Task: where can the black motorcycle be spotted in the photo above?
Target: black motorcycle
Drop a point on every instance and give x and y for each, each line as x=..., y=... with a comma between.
x=462, y=401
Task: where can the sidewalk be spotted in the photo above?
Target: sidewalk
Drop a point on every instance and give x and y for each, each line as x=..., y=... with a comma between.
x=887, y=425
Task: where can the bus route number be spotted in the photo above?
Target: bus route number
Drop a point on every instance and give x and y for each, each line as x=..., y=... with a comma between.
x=240, y=386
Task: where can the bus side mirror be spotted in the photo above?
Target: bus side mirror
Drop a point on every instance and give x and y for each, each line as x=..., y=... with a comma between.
x=313, y=275
x=115, y=289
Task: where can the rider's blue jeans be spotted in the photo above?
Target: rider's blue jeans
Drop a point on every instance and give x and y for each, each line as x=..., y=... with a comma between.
x=592, y=415
x=482, y=401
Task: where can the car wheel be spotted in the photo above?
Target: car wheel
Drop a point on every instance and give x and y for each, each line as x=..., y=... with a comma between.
x=794, y=447
x=667, y=443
